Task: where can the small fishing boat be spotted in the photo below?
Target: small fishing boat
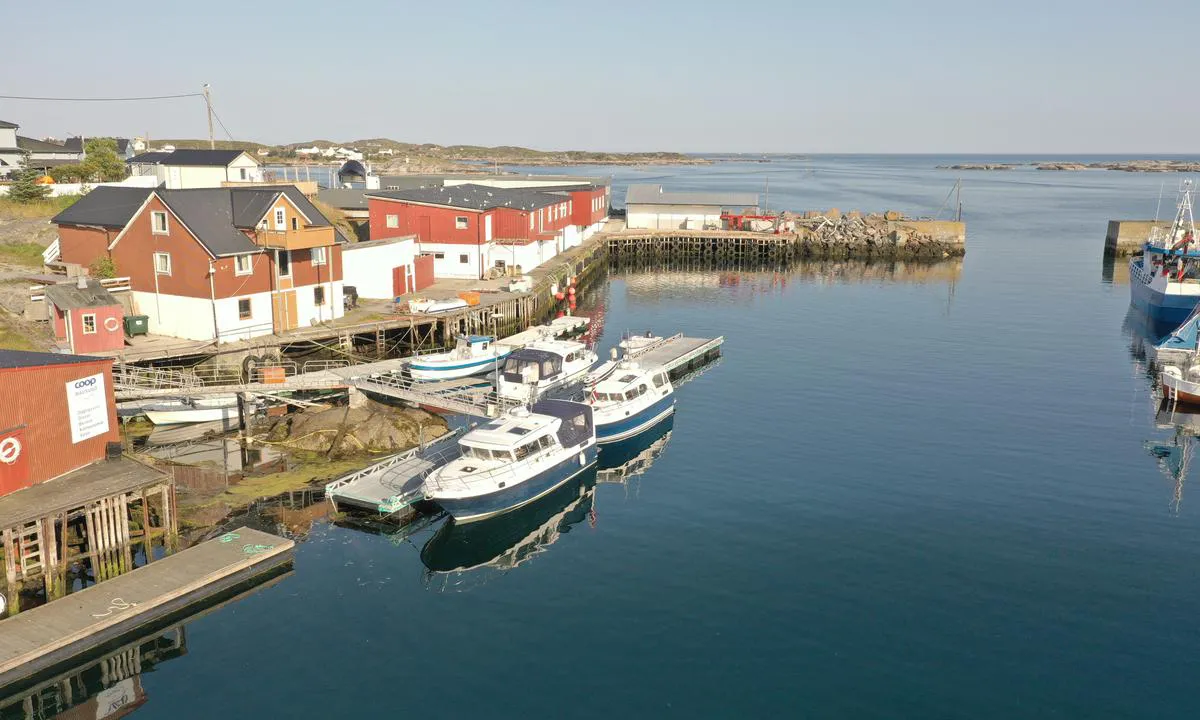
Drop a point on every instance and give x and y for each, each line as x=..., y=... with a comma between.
x=430, y=307
x=514, y=460
x=543, y=366
x=192, y=410
x=1164, y=280
x=630, y=402
x=472, y=355
x=637, y=343
x=1181, y=385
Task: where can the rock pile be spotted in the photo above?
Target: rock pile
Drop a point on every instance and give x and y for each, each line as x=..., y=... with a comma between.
x=371, y=428
x=870, y=236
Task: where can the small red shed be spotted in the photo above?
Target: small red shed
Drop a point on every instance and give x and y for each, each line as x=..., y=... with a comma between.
x=86, y=316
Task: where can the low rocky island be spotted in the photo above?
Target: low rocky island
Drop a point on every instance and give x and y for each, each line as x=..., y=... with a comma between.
x=1121, y=165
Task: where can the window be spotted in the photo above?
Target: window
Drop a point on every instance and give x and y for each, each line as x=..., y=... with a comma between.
x=295, y=224
x=283, y=259
x=242, y=172
x=393, y=187
x=319, y=295
x=244, y=309
x=243, y=264
x=89, y=324
x=262, y=224
x=464, y=259
x=158, y=222
x=318, y=255
x=439, y=256
x=393, y=221
x=279, y=219
x=162, y=263
x=460, y=222
x=659, y=380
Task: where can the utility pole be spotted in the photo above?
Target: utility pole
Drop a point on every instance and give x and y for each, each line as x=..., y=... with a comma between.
x=212, y=145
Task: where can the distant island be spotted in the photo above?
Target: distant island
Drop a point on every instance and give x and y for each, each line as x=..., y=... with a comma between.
x=1121, y=165
x=393, y=156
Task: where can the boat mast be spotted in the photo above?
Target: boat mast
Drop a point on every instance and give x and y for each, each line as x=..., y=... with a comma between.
x=958, y=200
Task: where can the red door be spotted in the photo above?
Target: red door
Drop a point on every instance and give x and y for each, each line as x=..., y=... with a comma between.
x=401, y=284
x=14, y=467
x=424, y=234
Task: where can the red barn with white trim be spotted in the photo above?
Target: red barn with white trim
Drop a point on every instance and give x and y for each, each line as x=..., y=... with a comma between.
x=86, y=316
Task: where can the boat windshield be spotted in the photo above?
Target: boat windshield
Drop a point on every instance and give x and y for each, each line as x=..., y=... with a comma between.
x=485, y=454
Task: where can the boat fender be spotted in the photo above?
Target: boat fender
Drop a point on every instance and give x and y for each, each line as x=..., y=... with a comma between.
x=582, y=460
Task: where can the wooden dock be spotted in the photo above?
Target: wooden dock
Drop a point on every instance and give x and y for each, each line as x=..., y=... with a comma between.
x=46, y=636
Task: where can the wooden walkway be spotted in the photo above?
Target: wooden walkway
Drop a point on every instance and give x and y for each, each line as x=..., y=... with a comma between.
x=678, y=352
x=45, y=636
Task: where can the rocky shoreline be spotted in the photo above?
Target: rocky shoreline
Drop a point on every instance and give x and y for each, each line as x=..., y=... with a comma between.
x=1161, y=166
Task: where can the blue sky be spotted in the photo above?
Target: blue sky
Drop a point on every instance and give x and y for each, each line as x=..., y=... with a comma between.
x=753, y=76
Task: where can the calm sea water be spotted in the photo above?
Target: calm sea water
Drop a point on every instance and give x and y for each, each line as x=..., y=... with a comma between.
x=904, y=492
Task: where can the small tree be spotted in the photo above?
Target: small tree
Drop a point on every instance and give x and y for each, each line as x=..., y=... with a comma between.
x=103, y=267
x=68, y=173
x=101, y=162
x=25, y=188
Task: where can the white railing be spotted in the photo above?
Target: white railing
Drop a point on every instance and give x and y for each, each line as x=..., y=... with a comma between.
x=51, y=253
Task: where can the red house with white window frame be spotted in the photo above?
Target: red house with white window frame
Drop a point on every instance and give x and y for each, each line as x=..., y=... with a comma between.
x=219, y=264
x=86, y=318
x=470, y=229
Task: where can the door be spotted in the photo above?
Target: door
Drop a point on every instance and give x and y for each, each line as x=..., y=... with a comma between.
x=283, y=269
x=283, y=310
x=487, y=228
x=423, y=231
x=173, y=179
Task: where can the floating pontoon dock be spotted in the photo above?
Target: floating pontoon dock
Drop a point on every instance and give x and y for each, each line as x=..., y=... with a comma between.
x=51, y=634
x=392, y=485
x=678, y=353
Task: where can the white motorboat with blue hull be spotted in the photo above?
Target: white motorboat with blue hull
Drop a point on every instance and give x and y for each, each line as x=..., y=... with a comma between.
x=1164, y=281
x=515, y=460
x=630, y=401
x=544, y=367
x=473, y=355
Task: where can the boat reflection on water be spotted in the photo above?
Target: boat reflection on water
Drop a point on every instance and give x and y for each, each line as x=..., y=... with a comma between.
x=107, y=683
x=621, y=462
x=1174, y=455
x=474, y=551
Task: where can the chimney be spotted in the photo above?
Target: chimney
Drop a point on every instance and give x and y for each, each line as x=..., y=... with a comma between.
x=81, y=282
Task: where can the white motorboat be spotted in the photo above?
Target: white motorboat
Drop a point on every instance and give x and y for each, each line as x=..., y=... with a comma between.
x=192, y=410
x=429, y=307
x=474, y=354
x=542, y=367
x=633, y=344
x=630, y=402
x=514, y=460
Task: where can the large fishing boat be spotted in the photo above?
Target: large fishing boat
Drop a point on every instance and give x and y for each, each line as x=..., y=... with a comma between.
x=1164, y=280
x=514, y=460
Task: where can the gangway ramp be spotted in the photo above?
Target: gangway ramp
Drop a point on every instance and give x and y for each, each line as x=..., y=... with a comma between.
x=395, y=484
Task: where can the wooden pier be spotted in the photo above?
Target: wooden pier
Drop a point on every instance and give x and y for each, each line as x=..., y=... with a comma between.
x=94, y=515
x=52, y=634
x=393, y=485
x=678, y=354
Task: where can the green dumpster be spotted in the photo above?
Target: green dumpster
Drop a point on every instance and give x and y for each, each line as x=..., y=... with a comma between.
x=137, y=325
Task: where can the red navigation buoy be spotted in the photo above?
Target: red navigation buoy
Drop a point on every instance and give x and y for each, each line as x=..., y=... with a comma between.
x=559, y=296
x=571, y=292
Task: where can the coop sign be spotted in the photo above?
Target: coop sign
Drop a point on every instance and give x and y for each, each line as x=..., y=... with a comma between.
x=87, y=405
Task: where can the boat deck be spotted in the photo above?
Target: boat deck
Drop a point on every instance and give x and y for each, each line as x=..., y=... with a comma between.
x=395, y=484
x=46, y=636
x=678, y=353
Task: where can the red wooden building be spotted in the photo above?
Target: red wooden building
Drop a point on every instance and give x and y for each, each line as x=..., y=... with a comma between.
x=86, y=316
x=470, y=228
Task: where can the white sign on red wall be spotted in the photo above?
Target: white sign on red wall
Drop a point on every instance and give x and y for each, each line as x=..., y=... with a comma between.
x=87, y=405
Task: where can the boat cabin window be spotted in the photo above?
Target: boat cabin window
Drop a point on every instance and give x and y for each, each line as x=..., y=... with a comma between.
x=546, y=442
x=642, y=389
x=659, y=380
x=528, y=449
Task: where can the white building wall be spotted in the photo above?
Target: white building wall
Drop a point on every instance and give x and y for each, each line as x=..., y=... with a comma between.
x=309, y=313
x=260, y=322
x=450, y=265
x=526, y=257
x=253, y=170
x=184, y=178
x=175, y=315
x=672, y=217
x=368, y=266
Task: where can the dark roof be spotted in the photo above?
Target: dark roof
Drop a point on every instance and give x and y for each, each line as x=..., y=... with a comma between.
x=214, y=215
x=75, y=144
x=23, y=358
x=472, y=197
x=29, y=144
x=655, y=195
x=105, y=206
x=192, y=158
x=8, y=126
x=69, y=295
x=46, y=163
x=344, y=198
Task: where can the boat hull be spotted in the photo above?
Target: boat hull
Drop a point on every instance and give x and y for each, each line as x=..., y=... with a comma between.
x=635, y=424
x=191, y=415
x=479, y=507
x=1178, y=390
x=453, y=369
x=1168, y=309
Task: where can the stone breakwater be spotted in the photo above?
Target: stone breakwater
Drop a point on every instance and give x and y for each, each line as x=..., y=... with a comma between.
x=871, y=237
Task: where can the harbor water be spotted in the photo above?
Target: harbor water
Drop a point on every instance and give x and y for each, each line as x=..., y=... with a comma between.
x=904, y=491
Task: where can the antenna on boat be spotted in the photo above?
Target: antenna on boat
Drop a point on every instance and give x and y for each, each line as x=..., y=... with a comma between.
x=958, y=199
x=1158, y=207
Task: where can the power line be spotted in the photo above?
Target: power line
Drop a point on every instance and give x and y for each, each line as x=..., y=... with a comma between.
x=100, y=99
x=218, y=117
